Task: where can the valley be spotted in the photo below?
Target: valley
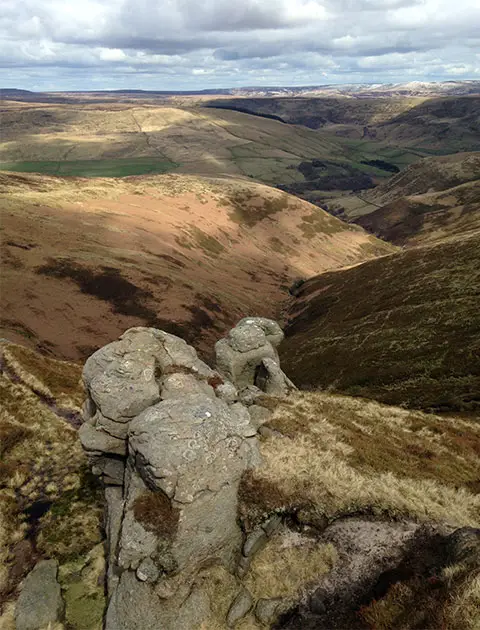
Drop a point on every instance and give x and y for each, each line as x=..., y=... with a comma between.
x=322, y=477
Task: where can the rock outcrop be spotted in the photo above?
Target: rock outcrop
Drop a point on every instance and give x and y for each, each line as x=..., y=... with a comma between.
x=170, y=438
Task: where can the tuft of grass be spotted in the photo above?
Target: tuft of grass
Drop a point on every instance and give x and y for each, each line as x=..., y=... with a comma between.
x=288, y=566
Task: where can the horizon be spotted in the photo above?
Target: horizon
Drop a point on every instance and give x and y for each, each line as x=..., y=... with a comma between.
x=179, y=45
x=248, y=87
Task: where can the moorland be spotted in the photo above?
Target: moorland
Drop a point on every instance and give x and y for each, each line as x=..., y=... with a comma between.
x=349, y=214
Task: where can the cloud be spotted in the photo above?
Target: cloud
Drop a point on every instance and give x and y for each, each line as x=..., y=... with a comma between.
x=190, y=45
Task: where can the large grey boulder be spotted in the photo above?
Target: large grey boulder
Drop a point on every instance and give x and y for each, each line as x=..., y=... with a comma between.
x=40, y=602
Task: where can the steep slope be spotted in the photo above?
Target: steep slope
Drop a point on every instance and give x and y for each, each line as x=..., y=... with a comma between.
x=451, y=123
x=431, y=174
x=404, y=329
x=427, y=218
x=189, y=254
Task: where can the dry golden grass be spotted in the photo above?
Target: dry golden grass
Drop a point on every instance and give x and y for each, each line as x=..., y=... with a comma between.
x=221, y=587
x=287, y=566
x=47, y=377
x=340, y=456
x=463, y=612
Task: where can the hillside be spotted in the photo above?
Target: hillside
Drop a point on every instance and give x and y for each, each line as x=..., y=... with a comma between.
x=379, y=136
x=418, y=123
x=117, y=139
x=189, y=254
x=404, y=329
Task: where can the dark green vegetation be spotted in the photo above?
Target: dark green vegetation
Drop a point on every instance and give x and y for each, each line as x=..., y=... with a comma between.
x=249, y=210
x=93, y=168
x=403, y=329
x=326, y=175
x=385, y=166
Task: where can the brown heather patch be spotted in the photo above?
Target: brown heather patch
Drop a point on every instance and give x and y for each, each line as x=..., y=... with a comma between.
x=215, y=380
x=155, y=512
x=259, y=498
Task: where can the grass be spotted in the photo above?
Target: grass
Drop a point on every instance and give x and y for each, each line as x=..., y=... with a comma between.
x=326, y=460
x=249, y=209
x=449, y=599
x=332, y=456
x=93, y=168
x=403, y=329
x=47, y=497
x=287, y=566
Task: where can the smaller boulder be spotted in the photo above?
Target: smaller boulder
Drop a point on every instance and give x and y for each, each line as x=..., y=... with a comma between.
x=242, y=605
x=40, y=602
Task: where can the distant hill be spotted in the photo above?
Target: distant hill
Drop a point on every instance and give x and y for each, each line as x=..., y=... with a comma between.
x=413, y=88
x=188, y=254
x=120, y=139
x=403, y=329
x=444, y=123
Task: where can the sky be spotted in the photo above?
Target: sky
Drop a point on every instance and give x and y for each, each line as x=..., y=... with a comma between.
x=205, y=44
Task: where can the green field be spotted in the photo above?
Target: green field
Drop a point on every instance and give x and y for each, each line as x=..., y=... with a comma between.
x=94, y=168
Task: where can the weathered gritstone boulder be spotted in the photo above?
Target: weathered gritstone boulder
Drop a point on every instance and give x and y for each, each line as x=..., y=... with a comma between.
x=248, y=356
x=171, y=438
x=40, y=602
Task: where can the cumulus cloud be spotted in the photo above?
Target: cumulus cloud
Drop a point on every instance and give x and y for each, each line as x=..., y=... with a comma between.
x=184, y=44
